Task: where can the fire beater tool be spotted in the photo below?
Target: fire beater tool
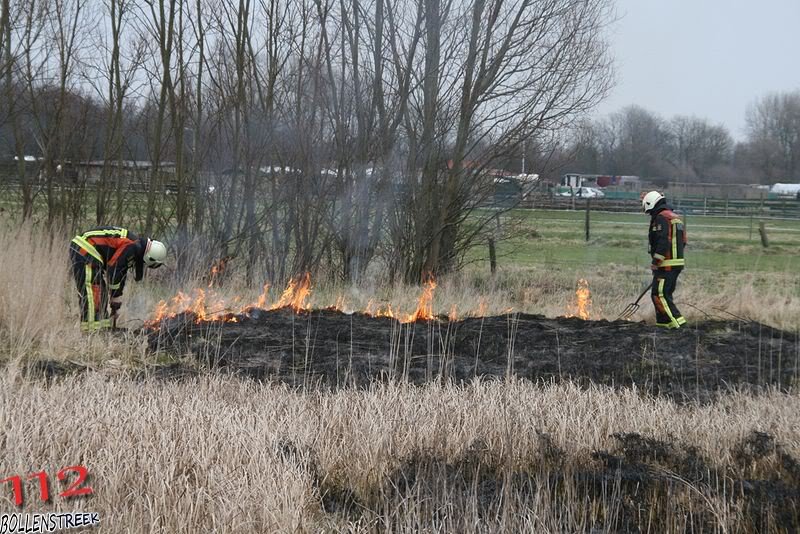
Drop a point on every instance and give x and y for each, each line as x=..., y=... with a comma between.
x=628, y=312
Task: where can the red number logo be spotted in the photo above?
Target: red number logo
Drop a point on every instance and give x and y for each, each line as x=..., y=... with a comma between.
x=16, y=484
x=74, y=490
x=44, y=487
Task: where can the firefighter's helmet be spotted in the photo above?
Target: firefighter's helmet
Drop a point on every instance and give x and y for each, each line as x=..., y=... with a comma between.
x=155, y=254
x=650, y=200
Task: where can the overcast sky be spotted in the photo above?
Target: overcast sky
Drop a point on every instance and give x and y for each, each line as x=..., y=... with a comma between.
x=709, y=58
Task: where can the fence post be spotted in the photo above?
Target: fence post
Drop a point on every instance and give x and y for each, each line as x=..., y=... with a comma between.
x=751, y=224
x=492, y=256
x=492, y=246
x=763, y=231
x=588, y=209
x=705, y=205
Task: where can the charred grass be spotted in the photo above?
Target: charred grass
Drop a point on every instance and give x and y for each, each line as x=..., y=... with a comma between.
x=334, y=350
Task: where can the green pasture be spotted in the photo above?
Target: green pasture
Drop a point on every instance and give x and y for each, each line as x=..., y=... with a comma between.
x=722, y=244
x=556, y=238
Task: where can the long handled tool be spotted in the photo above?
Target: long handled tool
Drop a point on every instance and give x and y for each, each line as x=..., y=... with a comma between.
x=628, y=312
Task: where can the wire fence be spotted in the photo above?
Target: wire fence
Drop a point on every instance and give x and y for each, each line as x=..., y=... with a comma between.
x=785, y=208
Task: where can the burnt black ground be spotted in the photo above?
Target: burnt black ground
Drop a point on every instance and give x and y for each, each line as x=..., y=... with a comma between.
x=648, y=479
x=334, y=349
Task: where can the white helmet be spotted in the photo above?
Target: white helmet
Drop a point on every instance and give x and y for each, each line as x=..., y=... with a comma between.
x=155, y=253
x=650, y=200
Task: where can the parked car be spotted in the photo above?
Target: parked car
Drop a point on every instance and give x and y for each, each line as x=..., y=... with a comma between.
x=583, y=192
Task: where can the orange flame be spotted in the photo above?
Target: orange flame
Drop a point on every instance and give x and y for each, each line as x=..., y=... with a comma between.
x=481, y=307
x=341, y=302
x=184, y=303
x=339, y=306
x=385, y=312
x=424, y=310
x=453, y=315
x=217, y=269
x=582, y=306
x=199, y=305
x=295, y=294
x=261, y=302
x=161, y=312
x=207, y=305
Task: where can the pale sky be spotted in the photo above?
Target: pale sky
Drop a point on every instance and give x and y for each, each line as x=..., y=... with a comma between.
x=709, y=58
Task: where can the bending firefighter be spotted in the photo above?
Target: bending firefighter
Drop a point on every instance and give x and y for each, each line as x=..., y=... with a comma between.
x=100, y=261
x=667, y=241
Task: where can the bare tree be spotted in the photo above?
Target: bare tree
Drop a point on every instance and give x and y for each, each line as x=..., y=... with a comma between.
x=198, y=120
x=773, y=129
x=50, y=78
x=158, y=26
x=526, y=68
x=5, y=37
x=699, y=147
x=11, y=96
x=116, y=71
x=635, y=141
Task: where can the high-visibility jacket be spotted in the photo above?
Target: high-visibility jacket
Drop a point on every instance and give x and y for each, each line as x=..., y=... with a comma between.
x=667, y=239
x=115, y=249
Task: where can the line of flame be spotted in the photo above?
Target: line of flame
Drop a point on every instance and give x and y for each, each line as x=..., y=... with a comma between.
x=206, y=305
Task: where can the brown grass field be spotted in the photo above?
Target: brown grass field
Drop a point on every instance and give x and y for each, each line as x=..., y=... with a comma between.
x=218, y=453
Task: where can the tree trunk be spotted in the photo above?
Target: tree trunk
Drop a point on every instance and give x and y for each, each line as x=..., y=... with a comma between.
x=426, y=253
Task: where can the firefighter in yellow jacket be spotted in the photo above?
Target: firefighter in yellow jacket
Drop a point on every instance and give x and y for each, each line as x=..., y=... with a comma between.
x=667, y=242
x=100, y=261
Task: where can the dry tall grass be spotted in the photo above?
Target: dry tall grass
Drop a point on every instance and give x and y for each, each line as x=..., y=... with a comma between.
x=33, y=287
x=220, y=454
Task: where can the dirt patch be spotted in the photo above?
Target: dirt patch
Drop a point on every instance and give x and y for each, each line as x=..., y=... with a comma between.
x=639, y=483
x=335, y=349
x=50, y=370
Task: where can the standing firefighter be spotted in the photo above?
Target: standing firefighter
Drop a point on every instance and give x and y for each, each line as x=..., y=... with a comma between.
x=100, y=260
x=667, y=241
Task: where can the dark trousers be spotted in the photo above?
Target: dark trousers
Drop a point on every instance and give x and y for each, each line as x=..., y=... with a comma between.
x=667, y=314
x=90, y=281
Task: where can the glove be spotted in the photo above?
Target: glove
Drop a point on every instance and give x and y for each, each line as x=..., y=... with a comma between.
x=656, y=265
x=116, y=304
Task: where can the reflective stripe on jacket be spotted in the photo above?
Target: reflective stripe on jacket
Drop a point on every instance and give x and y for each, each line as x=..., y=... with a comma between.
x=667, y=239
x=115, y=248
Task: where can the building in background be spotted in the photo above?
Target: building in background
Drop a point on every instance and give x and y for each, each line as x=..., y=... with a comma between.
x=625, y=183
x=785, y=190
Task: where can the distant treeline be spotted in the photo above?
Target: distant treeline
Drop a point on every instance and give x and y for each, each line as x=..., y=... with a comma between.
x=635, y=141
